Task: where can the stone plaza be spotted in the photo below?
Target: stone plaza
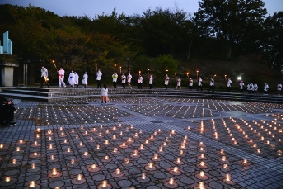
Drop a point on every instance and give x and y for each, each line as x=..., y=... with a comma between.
x=143, y=143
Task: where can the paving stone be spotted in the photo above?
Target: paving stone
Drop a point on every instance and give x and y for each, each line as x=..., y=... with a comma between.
x=98, y=177
x=125, y=183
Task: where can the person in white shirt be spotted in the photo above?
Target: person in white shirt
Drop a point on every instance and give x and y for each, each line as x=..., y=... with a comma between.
x=167, y=81
x=229, y=85
x=99, y=78
x=61, y=77
x=123, y=79
x=178, y=83
x=71, y=79
x=44, y=77
x=199, y=84
x=242, y=84
x=211, y=85
x=151, y=82
x=266, y=87
x=76, y=79
x=114, y=79
x=140, y=81
x=85, y=79
x=255, y=88
x=104, y=94
x=279, y=87
x=129, y=77
x=190, y=83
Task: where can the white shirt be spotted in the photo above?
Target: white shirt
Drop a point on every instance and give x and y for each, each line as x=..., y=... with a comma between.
x=242, y=85
x=167, y=80
x=84, y=79
x=229, y=83
x=150, y=80
x=190, y=82
x=123, y=79
x=76, y=78
x=178, y=82
x=104, y=91
x=99, y=75
x=114, y=77
x=140, y=79
x=71, y=79
x=255, y=87
x=200, y=82
x=61, y=73
x=44, y=72
x=279, y=87
x=266, y=88
x=129, y=78
x=212, y=82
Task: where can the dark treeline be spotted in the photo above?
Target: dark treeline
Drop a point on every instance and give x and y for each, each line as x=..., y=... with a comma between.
x=155, y=40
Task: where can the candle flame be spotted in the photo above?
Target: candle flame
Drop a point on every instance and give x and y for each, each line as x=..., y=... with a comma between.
x=113, y=137
x=106, y=157
x=225, y=166
x=8, y=179
x=54, y=171
x=178, y=160
x=18, y=149
x=141, y=146
x=223, y=158
x=181, y=152
x=150, y=165
x=14, y=161
x=126, y=160
x=202, y=174
x=201, y=163
x=117, y=171
x=143, y=175
x=94, y=166
x=228, y=177
x=79, y=177
x=1, y=145
x=98, y=146
x=32, y=184
x=50, y=146
x=69, y=150
x=201, y=185
x=171, y=181
x=104, y=184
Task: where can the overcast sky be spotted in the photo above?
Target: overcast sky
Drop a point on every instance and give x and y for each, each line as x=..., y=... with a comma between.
x=91, y=8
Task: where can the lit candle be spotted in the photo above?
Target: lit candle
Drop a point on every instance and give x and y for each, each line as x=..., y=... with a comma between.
x=14, y=161
x=33, y=166
x=68, y=149
x=79, y=177
x=106, y=157
x=201, y=185
x=126, y=160
x=201, y=174
x=113, y=137
x=181, y=152
x=72, y=161
x=18, y=149
x=155, y=156
x=7, y=179
x=98, y=146
x=225, y=166
x=178, y=161
x=143, y=175
x=223, y=158
x=141, y=147
x=228, y=177
x=106, y=142
x=86, y=154
x=1, y=146
x=104, y=184
x=171, y=181
x=150, y=165
x=94, y=166
x=146, y=142
x=202, y=164
x=54, y=172
x=117, y=171
x=50, y=146
x=50, y=138
x=32, y=184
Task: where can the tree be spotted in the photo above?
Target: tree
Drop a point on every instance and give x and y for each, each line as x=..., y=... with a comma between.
x=229, y=20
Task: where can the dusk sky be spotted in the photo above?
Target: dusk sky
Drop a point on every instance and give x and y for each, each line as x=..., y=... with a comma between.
x=91, y=8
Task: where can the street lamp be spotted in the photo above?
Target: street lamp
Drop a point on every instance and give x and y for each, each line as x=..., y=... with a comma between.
x=120, y=69
x=197, y=74
x=167, y=70
x=187, y=74
x=148, y=72
x=225, y=76
x=215, y=75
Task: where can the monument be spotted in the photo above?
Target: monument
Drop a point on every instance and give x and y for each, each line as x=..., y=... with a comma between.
x=7, y=62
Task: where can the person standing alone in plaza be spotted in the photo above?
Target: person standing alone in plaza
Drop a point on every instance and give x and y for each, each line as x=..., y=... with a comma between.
x=61, y=77
x=140, y=81
x=99, y=78
x=44, y=77
x=129, y=77
x=104, y=95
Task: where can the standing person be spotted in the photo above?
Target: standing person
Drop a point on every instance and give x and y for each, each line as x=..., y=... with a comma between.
x=279, y=87
x=76, y=79
x=199, y=84
x=140, y=81
x=266, y=87
x=129, y=77
x=167, y=81
x=99, y=78
x=104, y=95
x=229, y=85
x=190, y=83
x=178, y=83
x=211, y=85
x=85, y=80
x=61, y=77
x=151, y=82
x=71, y=79
x=6, y=112
x=123, y=79
x=255, y=88
x=242, y=84
x=114, y=79
x=44, y=77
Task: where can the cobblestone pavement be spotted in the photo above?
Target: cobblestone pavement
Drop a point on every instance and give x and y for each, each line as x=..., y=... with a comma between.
x=144, y=143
